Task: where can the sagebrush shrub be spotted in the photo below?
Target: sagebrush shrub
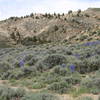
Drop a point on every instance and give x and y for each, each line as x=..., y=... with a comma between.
x=60, y=87
x=50, y=61
x=7, y=93
x=61, y=71
x=38, y=85
x=72, y=80
x=91, y=82
x=51, y=78
x=95, y=90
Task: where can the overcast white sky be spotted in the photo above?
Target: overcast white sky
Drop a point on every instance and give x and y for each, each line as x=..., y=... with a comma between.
x=10, y=8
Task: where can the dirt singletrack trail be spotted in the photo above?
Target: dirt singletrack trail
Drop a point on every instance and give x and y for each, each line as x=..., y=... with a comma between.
x=66, y=97
x=69, y=97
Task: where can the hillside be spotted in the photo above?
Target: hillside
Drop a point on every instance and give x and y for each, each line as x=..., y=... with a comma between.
x=51, y=56
x=51, y=71
x=52, y=27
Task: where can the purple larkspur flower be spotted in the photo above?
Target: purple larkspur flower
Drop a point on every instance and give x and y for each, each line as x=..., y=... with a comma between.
x=91, y=43
x=72, y=68
x=76, y=55
x=21, y=63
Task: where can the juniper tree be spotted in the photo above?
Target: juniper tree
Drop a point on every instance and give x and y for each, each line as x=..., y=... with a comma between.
x=70, y=12
x=79, y=12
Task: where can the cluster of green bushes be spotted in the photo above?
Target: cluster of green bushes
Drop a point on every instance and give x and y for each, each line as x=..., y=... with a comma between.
x=17, y=73
x=97, y=33
x=7, y=93
x=60, y=87
x=92, y=83
x=33, y=40
x=64, y=83
x=50, y=66
x=57, y=82
x=85, y=58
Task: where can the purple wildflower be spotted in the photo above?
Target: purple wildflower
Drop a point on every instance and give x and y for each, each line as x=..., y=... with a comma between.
x=72, y=68
x=76, y=55
x=21, y=63
x=92, y=43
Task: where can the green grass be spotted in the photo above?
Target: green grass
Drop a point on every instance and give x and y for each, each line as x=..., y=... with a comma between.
x=38, y=85
x=78, y=91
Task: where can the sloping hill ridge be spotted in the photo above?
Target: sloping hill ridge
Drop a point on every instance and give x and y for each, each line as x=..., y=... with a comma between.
x=51, y=28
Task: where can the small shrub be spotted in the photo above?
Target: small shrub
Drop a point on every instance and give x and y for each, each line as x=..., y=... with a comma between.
x=56, y=28
x=38, y=85
x=72, y=80
x=37, y=17
x=93, y=33
x=51, y=78
x=61, y=71
x=16, y=74
x=87, y=15
x=31, y=15
x=83, y=37
x=28, y=58
x=4, y=66
x=91, y=82
x=78, y=12
x=81, y=90
x=32, y=61
x=88, y=64
x=20, y=92
x=95, y=91
x=70, y=12
x=60, y=87
x=28, y=71
x=7, y=93
x=98, y=32
x=27, y=41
